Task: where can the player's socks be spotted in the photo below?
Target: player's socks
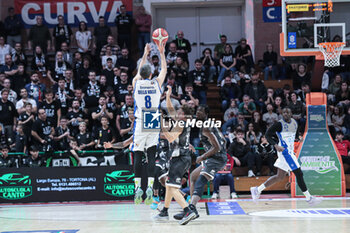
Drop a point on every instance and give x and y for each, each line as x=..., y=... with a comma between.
x=307, y=195
x=150, y=181
x=149, y=196
x=155, y=203
x=137, y=181
x=261, y=188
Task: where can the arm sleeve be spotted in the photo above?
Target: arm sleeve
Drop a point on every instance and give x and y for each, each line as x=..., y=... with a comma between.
x=271, y=133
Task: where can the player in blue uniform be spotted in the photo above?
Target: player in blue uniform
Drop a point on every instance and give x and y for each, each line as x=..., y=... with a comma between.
x=282, y=135
x=147, y=93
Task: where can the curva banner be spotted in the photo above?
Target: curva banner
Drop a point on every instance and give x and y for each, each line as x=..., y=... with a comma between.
x=74, y=11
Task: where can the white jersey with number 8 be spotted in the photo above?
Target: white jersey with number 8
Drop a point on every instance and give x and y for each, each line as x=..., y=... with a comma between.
x=147, y=95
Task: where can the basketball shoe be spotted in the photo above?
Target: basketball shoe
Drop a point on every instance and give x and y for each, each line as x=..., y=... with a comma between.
x=149, y=196
x=180, y=215
x=155, y=203
x=163, y=216
x=255, y=193
x=188, y=216
x=138, y=196
x=314, y=200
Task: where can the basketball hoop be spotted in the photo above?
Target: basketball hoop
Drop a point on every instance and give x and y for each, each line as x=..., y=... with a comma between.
x=331, y=52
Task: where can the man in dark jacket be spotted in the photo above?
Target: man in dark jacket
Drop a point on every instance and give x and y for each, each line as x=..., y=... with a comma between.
x=199, y=80
x=124, y=23
x=228, y=92
x=40, y=35
x=256, y=90
x=13, y=28
x=183, y=46
x=240, y=149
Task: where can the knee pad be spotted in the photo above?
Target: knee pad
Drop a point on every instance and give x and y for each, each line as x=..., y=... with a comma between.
x=199, y=185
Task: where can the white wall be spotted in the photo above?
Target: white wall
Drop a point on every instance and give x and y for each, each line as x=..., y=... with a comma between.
x=247, y=5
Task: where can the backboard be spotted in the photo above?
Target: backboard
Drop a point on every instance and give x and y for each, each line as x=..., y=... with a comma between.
x=306, y=23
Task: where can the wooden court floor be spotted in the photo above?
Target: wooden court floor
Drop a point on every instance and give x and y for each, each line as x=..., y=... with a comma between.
x=268, y=215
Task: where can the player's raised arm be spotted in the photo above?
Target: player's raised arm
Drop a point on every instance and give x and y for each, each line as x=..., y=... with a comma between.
x=215, y=145
x=169, y=105
x=164, y=70
x=142, y=63
x=118, y=145
x=170, y=134
x=173, y=134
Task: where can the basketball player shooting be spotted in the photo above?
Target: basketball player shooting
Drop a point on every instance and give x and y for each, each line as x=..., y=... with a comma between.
x=147, y=93
x=282, y=136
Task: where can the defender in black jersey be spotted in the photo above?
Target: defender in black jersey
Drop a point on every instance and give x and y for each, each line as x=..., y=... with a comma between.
x=162, y=167
x=180, y=162
x=213, y=160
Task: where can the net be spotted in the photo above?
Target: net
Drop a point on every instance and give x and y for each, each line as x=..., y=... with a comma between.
x=331, y=52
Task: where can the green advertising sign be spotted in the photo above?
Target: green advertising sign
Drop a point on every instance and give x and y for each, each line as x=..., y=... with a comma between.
x=318, y=158
x=119, y=183
x=15, y=186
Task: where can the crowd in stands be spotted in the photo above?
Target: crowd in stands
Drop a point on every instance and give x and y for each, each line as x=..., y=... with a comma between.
x=81, y=96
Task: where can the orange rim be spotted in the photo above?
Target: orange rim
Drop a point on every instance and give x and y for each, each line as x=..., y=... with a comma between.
x=331, y=46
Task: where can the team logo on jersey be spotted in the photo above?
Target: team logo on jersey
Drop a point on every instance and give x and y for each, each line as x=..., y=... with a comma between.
x=151, y=120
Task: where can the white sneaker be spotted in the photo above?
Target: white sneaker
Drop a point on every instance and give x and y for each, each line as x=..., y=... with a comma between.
x=255, y=193
x=234, y=195
x=314, y=200
x=215, y=196
x=251, y=173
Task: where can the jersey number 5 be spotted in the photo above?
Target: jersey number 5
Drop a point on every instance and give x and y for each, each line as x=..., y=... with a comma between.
x=148, y=103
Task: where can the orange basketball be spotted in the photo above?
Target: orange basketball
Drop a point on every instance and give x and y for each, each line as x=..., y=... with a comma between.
x=160, y=36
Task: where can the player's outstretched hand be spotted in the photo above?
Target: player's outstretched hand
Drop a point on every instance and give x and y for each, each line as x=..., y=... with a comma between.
x=107, y=145
x=168, y=93
x=279, y=148
x=199, y=159
x=192, y=148
x=147, y=48
x=161, y=46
